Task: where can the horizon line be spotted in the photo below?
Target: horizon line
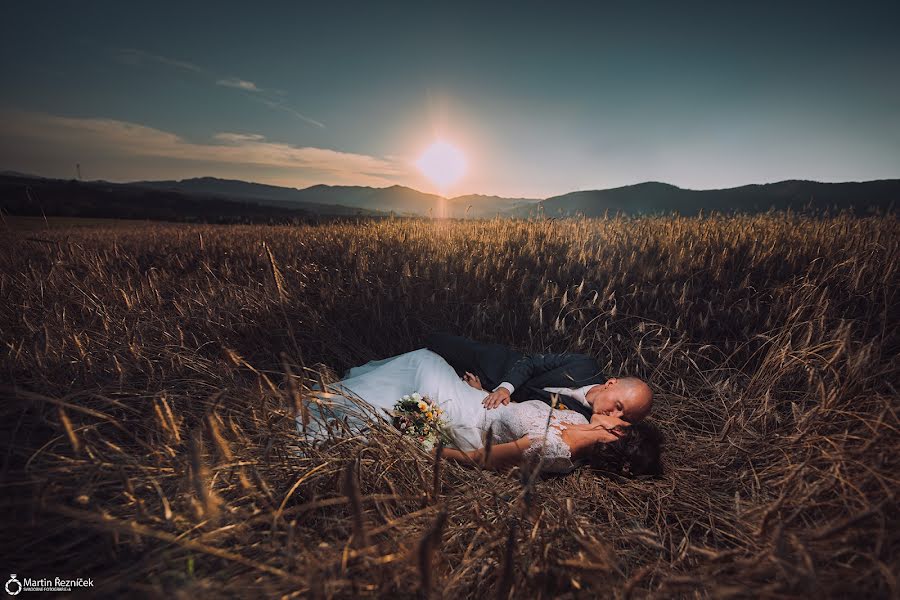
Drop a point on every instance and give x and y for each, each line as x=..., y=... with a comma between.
x=11, y=172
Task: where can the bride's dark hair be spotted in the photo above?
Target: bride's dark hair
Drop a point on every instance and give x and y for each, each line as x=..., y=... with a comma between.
x=636, y=452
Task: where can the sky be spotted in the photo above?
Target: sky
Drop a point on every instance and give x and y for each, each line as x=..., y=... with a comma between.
x=542, y=98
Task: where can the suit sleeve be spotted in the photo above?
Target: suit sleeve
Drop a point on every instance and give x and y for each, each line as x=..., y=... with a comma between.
x=537, y=364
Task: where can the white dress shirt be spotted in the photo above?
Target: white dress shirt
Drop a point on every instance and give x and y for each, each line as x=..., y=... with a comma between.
x=579, y=394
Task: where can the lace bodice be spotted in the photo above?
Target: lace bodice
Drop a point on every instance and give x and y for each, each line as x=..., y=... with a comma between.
x=518, y=419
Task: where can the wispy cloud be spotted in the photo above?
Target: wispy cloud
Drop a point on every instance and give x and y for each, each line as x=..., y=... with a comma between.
x=237, y=138
x=274, y=99
x=109, y=140
x=132, y=56
x=240, y=84
x=271, y=98
x=277, y=104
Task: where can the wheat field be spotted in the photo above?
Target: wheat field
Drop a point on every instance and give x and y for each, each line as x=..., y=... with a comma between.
x=152, y=372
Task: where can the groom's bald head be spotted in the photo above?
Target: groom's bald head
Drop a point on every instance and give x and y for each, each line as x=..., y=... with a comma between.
x=628, y=398
x=639, y=397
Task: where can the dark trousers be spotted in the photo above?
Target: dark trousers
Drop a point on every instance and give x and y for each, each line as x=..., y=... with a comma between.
x=490, y=362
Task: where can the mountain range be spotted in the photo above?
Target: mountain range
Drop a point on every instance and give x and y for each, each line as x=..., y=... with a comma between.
x=397, y=198
x=204, y=196
x=654, y=197
x=642, y=198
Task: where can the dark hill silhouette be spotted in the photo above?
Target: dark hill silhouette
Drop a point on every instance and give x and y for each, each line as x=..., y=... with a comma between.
x=213, y=186
x=485, y=207
x=210, y=198
x=26, y=196
x=397, y=198
x=644, y=198
x=19, y=174
x=654, y=197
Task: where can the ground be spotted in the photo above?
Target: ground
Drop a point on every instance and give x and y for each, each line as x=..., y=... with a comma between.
x=152, y=373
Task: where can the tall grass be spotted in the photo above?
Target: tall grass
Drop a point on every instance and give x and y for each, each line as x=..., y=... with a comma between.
x=152, y=376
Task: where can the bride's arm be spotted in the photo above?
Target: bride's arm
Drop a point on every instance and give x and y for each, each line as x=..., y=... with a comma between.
x=502, y=457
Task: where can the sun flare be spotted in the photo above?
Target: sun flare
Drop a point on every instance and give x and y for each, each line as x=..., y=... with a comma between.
x=443, y=163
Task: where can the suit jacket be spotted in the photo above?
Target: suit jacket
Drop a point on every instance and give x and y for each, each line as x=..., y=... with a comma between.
x=528, y=373
x=534, y=372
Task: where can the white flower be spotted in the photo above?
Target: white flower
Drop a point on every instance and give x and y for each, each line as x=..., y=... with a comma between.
x=407, y=398
x=417, y=396
x=428, y=444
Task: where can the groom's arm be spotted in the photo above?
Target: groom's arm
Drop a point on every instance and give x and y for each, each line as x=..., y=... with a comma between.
x=534, y=365
x=526, y=368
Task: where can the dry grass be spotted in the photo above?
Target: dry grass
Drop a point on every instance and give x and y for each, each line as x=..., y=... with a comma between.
x=151, y=375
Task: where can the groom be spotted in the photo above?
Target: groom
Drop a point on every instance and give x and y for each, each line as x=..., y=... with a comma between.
x=576, y=378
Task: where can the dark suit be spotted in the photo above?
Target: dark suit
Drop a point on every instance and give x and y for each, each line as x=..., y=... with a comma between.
x=529, y=374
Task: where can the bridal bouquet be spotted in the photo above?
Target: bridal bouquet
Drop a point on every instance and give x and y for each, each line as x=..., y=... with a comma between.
x=418, y=417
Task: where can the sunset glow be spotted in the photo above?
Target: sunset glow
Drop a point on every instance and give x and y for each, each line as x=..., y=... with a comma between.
x=442, y=163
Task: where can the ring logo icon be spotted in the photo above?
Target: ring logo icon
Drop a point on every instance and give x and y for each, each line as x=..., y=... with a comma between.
x=13, y=586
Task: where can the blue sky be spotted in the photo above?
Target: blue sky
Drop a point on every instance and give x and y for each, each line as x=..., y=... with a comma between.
x=542, y=98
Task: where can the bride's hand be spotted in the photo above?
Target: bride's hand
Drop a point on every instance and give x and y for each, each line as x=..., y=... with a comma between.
x=472, y=380
x=608, y=422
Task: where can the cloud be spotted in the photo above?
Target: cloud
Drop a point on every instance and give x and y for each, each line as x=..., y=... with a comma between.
x=281, y=106
x=240, y=84
x=132, y=56
x=268, y=98
x=112, y=141
x=272, y=98
x=238, y=138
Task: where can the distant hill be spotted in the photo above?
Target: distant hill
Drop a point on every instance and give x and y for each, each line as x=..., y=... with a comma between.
x=18, y=174
x=485, y=207
x=269, y=195
x=643, y=198
x=211, y=198
x=27, y=196
x=654, y=197
x=398, y=199
x=213, y=186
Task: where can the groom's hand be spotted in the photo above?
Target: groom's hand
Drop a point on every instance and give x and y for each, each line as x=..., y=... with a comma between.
x=495, y=399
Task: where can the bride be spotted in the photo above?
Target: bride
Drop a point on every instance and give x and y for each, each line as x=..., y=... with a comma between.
x=520, y=431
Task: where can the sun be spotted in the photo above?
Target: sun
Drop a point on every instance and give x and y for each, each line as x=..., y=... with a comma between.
x=443, y=163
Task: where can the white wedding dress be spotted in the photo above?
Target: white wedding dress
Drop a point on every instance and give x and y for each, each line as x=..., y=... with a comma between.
x=379, y=384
